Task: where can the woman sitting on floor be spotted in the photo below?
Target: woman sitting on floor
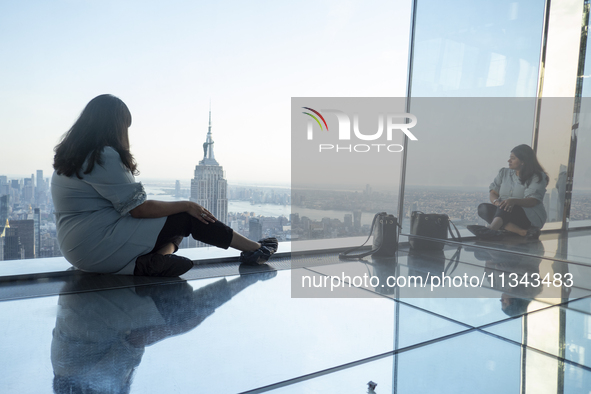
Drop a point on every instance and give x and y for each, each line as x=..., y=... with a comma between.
x=516, y=196
x=104, y=222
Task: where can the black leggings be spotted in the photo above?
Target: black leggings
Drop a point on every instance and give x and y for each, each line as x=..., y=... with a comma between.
x=517, y=216
x=182, y=225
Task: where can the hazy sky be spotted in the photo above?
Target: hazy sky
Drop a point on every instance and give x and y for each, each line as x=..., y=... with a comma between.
x=166, y=60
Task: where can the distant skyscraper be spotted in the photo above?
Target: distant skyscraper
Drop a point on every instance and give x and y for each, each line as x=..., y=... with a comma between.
x=13, y=250
x=208, y=187
x=177, y=189
x=4, y=186
x=255, y=229
x=4, y=207
x=357, y=219
x=29, y=189
x=40, y=181
x=37, y=220
x=348, y=220
x=25, y=231
x=3, y=227
x=40, y=189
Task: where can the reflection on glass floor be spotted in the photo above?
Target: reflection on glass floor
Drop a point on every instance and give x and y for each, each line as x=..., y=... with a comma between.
x=574, y=246
x=237, y=330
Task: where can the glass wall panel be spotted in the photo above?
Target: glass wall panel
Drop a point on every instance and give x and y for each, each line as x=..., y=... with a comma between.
x=557, y=111
x=557, y=125
x=580, y=209
x=478, y=50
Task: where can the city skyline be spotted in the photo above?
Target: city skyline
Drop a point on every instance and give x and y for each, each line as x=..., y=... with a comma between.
x=319, y=213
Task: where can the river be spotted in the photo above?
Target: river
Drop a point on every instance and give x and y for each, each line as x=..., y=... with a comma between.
x=274, y=210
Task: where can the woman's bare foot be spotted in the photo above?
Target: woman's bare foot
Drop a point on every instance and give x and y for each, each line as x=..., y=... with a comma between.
x=515, y=229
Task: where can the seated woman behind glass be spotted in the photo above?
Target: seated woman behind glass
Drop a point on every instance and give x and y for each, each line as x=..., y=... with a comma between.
x=516, y=196
x=105, y=222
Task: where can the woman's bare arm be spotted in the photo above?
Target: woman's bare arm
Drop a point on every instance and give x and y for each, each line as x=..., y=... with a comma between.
x=494, y=197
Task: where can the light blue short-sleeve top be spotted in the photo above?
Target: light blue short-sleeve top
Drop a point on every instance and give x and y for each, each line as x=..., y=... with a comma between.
x=95, y=231
x=508, y=185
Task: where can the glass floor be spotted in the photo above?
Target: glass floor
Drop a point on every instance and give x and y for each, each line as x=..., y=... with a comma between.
x=231, y=329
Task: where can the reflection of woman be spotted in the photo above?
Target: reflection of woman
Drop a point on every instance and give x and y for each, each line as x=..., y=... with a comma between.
x=516, y=197
x=104, y=222
x=514, y=271
x=100, y=336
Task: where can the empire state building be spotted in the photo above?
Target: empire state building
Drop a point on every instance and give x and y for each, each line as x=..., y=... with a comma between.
x=209, y=188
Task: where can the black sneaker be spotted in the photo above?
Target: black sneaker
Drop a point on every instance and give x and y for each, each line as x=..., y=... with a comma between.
x=270, y=243
x=259, y=256
x=533, y=233
x=162, y=265
x=477, y=229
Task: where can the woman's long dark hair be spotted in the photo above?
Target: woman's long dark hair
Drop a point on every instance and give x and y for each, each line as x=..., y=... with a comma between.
x=531, y=165
x=103, y=122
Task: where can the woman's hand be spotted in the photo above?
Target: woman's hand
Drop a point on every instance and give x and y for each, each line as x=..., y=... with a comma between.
x=200, y=213
x=508, y=204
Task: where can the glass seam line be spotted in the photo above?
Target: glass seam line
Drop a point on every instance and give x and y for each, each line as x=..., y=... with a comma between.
x=377, y=357
x=505, y=320
x=413, y=23
x=351, y=364
x=465, y=325
x=543, y=353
